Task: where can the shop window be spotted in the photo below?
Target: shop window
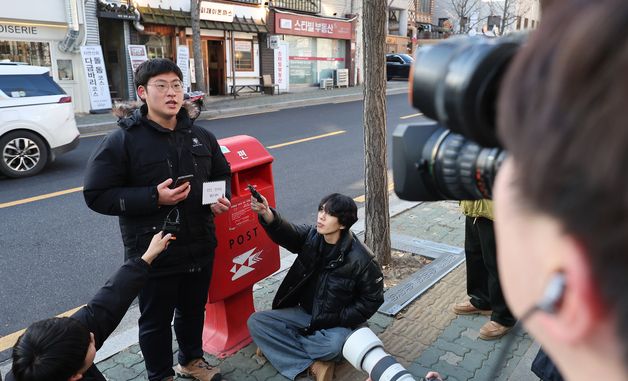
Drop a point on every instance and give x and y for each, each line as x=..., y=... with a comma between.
x=158, y=46
x=33, y=53
x=243, y=55
x=64, y=70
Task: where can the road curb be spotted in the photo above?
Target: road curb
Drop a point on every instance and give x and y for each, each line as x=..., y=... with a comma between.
x=93, y=129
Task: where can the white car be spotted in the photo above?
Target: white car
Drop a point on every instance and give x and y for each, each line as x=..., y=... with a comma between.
x=36, y=120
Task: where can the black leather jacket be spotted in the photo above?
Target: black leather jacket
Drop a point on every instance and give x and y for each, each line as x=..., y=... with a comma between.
x=122, y=176
x=350, y=287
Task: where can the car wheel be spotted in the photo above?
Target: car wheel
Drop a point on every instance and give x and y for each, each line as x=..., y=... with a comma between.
x=22, y=154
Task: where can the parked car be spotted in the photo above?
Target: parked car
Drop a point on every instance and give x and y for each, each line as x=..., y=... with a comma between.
x=398, y=65
x=36, y=120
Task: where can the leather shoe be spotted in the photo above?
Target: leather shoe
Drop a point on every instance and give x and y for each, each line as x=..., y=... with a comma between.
x=493, y=330
x=466, y=308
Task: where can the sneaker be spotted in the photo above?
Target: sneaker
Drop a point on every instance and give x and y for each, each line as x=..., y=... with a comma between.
x=198, y=369
x=466, y=308
x=323, y=370
x=493, y=330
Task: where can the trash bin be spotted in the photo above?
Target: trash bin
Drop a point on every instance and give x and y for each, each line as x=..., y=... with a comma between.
x=245, y=254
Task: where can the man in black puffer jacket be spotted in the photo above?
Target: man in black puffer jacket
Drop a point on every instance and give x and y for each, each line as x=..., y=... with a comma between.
x=131, y=175
x=333, y=286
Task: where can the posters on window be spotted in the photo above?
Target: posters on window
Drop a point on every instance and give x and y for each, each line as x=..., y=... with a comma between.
x=97, y=84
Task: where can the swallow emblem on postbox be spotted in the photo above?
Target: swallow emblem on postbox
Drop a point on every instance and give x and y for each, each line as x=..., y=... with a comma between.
x=244, y=263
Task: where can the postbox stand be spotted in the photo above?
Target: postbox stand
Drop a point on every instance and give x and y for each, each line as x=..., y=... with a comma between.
x=225, y=330
x=244, y=255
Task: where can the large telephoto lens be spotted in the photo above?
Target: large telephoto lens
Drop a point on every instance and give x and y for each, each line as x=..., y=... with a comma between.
x=431, y=163
x=455, y=82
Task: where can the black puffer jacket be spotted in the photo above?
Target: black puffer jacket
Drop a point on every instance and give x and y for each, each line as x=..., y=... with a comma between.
x=122, y=176
x=350, y=287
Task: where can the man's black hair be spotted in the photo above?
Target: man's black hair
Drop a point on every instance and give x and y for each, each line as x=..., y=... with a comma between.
x=149, y=69
x=342, y=207
x=51, y=349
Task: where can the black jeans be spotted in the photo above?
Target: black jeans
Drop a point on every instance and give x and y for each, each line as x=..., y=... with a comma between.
x=183, y=295
x=482, y=277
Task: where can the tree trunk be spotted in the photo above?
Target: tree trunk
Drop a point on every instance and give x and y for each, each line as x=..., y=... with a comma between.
x=199, y=74
x=377, y=234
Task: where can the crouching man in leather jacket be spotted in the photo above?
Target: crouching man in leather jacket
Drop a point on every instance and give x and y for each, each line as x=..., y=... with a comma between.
x=333, y=286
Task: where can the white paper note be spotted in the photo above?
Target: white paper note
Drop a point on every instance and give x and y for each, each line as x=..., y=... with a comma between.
x=212, y=191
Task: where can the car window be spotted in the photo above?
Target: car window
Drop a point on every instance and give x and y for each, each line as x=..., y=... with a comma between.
x=406, y=58
x=18, y=86
x=390, y=59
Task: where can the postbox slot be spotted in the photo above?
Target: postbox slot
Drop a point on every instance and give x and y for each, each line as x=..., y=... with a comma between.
x=260, y=177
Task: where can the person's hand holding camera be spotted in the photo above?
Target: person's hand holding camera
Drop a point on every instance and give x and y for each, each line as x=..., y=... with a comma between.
x=172, y=196
x=158, y=244
x=262, y=209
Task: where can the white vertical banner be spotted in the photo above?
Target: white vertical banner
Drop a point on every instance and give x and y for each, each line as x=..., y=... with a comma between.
x=183, y=62
x=137, y=55
x=97, y=84
x=192, y=70
x=282, y=72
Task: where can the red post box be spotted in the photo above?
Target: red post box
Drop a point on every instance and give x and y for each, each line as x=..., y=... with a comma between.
x=245, y=254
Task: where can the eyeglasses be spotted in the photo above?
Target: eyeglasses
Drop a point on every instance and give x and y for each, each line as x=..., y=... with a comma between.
x=163, y=86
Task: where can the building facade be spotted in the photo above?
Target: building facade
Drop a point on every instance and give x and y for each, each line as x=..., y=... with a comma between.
x=49, y=33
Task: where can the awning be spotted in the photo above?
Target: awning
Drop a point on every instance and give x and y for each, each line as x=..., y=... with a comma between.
x=179, y=18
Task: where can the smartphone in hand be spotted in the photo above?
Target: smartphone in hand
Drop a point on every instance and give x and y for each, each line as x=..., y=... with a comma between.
x=255, y=193
x=181, y=180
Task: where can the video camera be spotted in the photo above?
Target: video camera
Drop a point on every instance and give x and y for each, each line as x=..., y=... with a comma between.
x=456, y=155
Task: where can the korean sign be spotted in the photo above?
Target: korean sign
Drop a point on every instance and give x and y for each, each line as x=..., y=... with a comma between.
x=301, y=25
x=97, y=84
x=216, y=11
x=183, y=62
x=137, y=54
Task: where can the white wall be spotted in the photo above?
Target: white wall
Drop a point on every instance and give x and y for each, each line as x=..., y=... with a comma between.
x=41, y=10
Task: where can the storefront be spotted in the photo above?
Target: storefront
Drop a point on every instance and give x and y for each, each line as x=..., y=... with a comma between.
x=115, y=22
x=317, y=46
x=42, y=37
x=227, y=30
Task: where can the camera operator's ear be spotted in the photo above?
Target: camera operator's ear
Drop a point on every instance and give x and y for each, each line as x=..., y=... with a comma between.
x=572, y=297
x=553, y=294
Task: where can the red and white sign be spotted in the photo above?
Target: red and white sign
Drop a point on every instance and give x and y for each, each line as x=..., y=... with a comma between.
x=300, y=25
x=282, y=68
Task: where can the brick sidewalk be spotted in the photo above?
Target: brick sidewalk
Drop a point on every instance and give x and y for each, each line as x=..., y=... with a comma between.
x=425, y=335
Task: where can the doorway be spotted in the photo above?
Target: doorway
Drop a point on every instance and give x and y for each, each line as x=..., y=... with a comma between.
x=114, y=54
x=216, y=67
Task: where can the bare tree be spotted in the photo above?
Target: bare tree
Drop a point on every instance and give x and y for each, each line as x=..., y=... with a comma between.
x=509, y=11
x=377, y=233
x=196, y=45
x=462, y=10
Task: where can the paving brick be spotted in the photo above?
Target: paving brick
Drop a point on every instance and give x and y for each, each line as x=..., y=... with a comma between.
x=451, y=358
x=430, y=356
x=121, y=373
x=453, y=372
x=450, y=347
x=473, y=360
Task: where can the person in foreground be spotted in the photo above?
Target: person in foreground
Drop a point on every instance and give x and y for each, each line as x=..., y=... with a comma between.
x=153, y=172
x=334, y=286
x=62, y=349
x=561, y=198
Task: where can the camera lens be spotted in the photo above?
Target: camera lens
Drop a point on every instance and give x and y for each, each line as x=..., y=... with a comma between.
x=445, y=167
x=456, y=83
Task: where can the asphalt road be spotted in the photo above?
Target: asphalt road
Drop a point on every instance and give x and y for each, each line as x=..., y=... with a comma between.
x=55, y=253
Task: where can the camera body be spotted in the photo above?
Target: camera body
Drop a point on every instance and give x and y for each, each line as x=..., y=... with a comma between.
x=455, y=155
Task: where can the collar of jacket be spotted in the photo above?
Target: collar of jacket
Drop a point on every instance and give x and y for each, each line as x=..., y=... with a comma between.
x=344, y=245
x=132, y=114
